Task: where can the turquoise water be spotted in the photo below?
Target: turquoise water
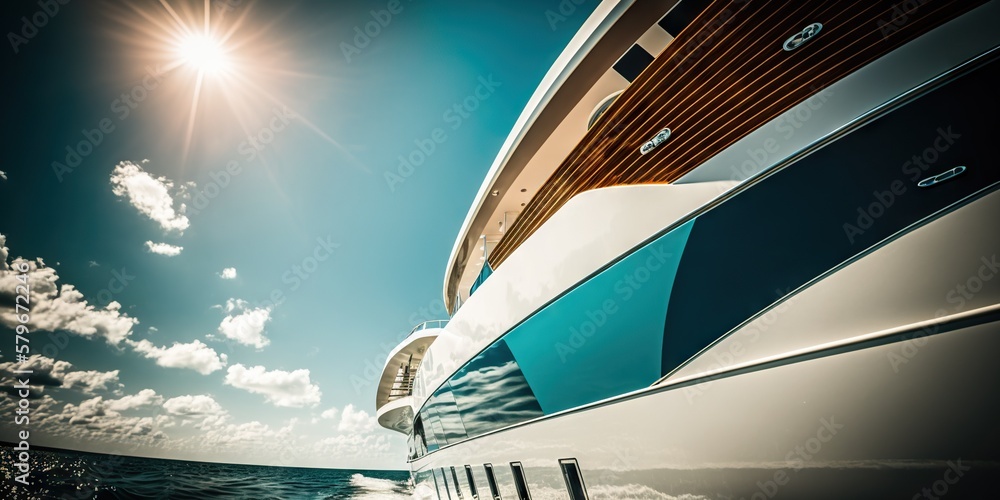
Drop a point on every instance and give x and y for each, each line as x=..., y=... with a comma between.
x=72, y=475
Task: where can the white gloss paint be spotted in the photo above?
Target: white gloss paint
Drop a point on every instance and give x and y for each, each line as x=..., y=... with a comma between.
x=628, y=445
x=479, y=321
x=752, y=420
x=593, y=29
x=591, y=230
x=932, y=276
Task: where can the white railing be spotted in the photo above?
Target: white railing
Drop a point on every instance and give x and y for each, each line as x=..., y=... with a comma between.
x=434, y=323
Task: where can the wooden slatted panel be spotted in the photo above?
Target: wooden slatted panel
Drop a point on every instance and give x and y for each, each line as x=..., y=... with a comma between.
x=725, y=75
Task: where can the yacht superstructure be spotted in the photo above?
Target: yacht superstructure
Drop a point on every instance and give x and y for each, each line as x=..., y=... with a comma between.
x=731, y=249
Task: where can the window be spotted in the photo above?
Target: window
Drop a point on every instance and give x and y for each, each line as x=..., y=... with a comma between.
x=574, y=480
x=810, y=231
x=419, y=441
x=491, y=480
x=601, y=108
x=443, y=404
x=444, y=479
x=441, y=421
x=437, y=486
x=519, y=482
x=472, y=482
x=454, y=477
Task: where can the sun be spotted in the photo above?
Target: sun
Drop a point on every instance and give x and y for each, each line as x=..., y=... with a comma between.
x=224, y=66
x=204, y=53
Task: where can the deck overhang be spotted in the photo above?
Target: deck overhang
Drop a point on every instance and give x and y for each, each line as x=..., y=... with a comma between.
x=393, y=398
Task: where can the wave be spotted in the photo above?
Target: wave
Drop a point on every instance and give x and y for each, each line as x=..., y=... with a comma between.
x=373, y=488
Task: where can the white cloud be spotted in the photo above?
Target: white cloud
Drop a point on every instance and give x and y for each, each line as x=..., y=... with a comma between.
x=246, y=436
x=247, y=327
x=151, y=196
x=234, y=304
x=355, y=420
x=228, y=273
x=330, y=414
x=163, y=249
x=49, y=372
x=201, y=411
x=93, y=263
x=91, y=380
x=280, y=388
x=97, y=418
x=193, y=406
x=58, y=307
x=145, y=397
x=194, y=355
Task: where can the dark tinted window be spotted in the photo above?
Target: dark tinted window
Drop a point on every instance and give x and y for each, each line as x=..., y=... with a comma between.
x=491, y=479
x=458, y=488
x=574, y=480
x=520, y=483
x=491, y=391
x=488, y=393
x=419, y=438
x=472, y=482
x=450, y=427
x=791, y=227
x=827, y=207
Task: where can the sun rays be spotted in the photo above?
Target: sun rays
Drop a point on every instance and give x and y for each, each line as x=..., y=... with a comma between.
x=224, y=69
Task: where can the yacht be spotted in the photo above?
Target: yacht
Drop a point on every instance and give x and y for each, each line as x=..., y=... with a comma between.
x=730, y=249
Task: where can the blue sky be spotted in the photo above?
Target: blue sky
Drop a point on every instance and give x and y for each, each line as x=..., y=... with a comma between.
x=287, y=173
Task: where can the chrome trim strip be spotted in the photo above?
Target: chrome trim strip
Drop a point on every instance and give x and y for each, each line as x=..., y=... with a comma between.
x=946, y=324
x=833, y=270
x=854, y=343
x=840, y=346
x=604, y=16
x=862, y=120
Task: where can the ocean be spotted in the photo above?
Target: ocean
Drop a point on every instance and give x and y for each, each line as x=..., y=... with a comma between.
x=74, y=475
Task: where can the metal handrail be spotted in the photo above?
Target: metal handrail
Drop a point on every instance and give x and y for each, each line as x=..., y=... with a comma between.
x=402, y=385
x=434, y=323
